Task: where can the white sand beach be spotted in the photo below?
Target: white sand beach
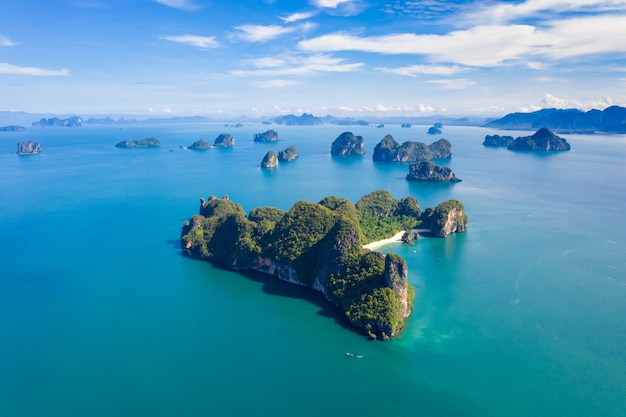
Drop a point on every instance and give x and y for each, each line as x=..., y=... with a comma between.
x=375, y=245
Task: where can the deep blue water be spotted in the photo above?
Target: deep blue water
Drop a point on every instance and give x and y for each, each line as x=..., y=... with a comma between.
x=101, y=315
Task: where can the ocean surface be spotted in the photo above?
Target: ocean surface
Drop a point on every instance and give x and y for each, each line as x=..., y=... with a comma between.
x=523, y=315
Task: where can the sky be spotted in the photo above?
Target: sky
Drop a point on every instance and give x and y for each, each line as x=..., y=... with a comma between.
x=347, y=58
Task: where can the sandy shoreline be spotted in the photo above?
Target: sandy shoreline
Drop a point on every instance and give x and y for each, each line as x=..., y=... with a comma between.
x=374, y=245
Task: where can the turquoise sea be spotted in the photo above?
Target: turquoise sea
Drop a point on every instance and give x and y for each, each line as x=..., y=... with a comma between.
x=523, y=315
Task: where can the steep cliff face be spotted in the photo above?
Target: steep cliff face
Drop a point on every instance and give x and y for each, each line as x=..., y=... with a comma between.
x=454, y=221
x=224, y=140
x=396, y=278
x=270, y=160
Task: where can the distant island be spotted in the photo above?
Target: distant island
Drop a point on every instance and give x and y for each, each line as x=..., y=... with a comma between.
x=267, y=136
x=321, y=246
x=200, y=145
x=348, y=144
x=224, y=140
x=542, y=140
x=389, y=150
x=435, y=129
x=74, y=121
x=291, y=120
x=139, y=143
x=611, y=120
x=28, y=148
x=430, y=172
x=497, y=141
x=12, y=128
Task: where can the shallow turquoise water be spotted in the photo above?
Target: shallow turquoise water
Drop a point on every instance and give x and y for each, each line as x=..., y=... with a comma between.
x=101, y=315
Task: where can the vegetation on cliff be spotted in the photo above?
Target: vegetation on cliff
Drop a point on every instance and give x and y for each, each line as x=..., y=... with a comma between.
x=347, y=144
x=389, y=150
x=428, y=171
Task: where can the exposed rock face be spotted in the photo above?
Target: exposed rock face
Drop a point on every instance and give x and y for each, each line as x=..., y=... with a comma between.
x=348, y=144
x=200, y=145
x=12, y=129
x=542, y=140
x=28, y=148
x=448, y=217
x=288, y=154
x=388, y=150
x=73, y=121
x=396, y=277
x=224, y=141
x=428, y=171
x=497, y=141
x=140, y=143
x=267, y=136
x=270, y=160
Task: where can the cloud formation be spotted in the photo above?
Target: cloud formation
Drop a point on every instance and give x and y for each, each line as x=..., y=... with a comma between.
x=490, y=46
x=204, y=42
x=40, y=72
x=259, y=33
x=297, y=66
x=4, y=41
x=187, y=5
x=297, y=16
x=416, y=70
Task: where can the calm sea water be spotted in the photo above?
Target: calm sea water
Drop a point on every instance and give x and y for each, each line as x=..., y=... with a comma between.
x=101, y=315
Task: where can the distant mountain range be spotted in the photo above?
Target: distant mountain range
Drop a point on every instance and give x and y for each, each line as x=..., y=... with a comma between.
x=611, y=120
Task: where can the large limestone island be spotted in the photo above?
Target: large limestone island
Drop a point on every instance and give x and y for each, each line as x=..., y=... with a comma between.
x=430, y=172
x=389, y=150
x=348, y=144
x=321, y=246
x=28, y=148
x=270, y=160
x=267, y=136
x=288, y=154
x=541, y=140
x=224, y=140
x=139, y=143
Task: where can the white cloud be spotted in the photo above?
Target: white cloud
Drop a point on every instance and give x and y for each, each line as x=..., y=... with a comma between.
x=259, y=33
x=204, y=42
x=479, y=46
x=297, y=16
x=274, y=84
x=415, y=70
x=40, y=72
x=4, y=41
x=266, y=62
x=507, y=12
x=299, y=66
x=489, y=46
x=187, y=5
x=455, y=84
x=426, y=109
x=586, y=103
x=331, y=4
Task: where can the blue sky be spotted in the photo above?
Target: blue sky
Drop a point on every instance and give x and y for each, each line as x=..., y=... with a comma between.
x=340, y=57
